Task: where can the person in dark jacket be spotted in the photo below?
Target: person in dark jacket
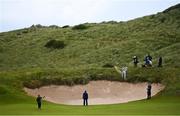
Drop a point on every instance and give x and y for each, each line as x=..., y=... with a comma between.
x=85, y=98
x=148, y=60
x=39, y=101
x=160, y=62
x=135, y=61
x=150, y=57
x=149, y=91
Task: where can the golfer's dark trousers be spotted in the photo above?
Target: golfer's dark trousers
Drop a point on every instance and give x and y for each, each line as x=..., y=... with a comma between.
x=149, y=95
x=85, y=102
x=39, y=105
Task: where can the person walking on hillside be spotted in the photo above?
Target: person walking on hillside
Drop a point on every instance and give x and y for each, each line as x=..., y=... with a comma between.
x=160, y=62
x=39, y=101
x=135, y=61
x=149, y=91
x=85, y=98
x=124, y=72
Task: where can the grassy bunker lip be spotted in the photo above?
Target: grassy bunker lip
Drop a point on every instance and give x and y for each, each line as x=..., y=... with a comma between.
x=100, y=92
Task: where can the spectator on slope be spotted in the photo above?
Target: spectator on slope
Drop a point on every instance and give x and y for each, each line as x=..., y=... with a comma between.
x=135, y=61
x=160, y=62
x=148, y=61
x=124, y=72
x=150, y=57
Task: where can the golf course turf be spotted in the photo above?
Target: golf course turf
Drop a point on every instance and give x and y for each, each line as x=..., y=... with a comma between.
x=161, y=105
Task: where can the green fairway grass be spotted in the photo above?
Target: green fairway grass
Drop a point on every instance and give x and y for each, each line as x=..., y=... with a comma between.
x=158, y=105
x=43, y=55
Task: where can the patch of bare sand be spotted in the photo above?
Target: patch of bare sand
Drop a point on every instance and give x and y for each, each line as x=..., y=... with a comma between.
x=100, y=92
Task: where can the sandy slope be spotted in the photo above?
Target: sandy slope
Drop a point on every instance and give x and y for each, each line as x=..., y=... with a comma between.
x=100, y=92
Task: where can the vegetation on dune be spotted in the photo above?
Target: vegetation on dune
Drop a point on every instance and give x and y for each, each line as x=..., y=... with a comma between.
x=80, y=27
x=65, y=26
x=31, y=56
x=95, y=46
x=55, y=44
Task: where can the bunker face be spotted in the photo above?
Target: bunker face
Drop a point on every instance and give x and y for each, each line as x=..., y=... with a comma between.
x=100, y=92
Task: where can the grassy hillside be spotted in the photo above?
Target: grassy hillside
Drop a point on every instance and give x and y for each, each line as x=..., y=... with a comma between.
x=94, y=46
x=40, y=55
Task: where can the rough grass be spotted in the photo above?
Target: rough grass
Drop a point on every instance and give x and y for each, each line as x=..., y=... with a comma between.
x=95, y=46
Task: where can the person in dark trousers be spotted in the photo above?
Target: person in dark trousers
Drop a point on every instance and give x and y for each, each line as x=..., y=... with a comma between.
x=85, y=98
x=149, y=91
x=39, y=101
x=160, y=62
x=135, y=61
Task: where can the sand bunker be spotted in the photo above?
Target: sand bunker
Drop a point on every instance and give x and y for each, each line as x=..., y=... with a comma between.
x=100, y=92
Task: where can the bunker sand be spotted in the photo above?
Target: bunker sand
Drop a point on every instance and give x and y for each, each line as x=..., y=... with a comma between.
x=100, y=92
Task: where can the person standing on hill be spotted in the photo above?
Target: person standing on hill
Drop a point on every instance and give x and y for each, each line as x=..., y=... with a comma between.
x=85, y=98
x=135, y=61
x=160, y=62
x=149, y=91
x=39, y=101
x=124, y=72
x=148, y=60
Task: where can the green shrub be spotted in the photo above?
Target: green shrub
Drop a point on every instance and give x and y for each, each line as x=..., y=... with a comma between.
x=80, y=27
x=55, y=44
x=54, y=26
x=65, y=26
x=25, y=31
x=37, y=26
